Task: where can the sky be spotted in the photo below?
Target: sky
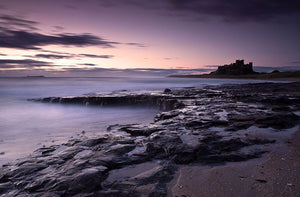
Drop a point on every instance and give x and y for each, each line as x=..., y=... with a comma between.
x=99, y=38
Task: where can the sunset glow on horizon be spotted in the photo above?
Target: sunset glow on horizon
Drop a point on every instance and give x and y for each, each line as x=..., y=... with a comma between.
x=121, y=38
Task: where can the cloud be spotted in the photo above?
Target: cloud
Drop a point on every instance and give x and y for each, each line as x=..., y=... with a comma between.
x=237, y=11
x=134, y=72
x=96, y=56
x=14, y=22
x=135, y=44
x=212, y=66
x=30, y=40
x=23, y=63
x=226, y=10
x=170, y=58
x=20, y=33
x=51, y=56
x=164, y=72
x=17, y=61
x=87, y=64
x=181, y=67
x=59, y=55
x=92, y=69
x=54, y=52
x=58, y=28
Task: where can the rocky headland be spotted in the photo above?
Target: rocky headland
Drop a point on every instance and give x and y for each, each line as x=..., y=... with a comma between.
x=210, y=126
x=240, y=70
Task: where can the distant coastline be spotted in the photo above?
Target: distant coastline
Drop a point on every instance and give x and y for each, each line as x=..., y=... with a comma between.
x=239, y=70
x=294, y=76
x=35, y=76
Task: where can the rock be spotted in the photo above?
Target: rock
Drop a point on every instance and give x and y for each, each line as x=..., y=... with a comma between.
x=239, y=126
x=26, y=169
x=185, y=156
x=166, y=115
x=140, y=130
x=167, y=91
x=69, y=152
x=114, y=192
x=261, y=180
x=120, y=149
x=123, y=98
x=4, y=187
x=200, y=126
x=93, y=142
x=277, y=120
x=87, y=181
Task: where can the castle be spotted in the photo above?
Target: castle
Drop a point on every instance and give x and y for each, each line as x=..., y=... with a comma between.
x=237, y=68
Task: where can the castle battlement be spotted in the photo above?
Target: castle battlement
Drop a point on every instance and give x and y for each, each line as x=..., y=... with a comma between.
x=237, y=68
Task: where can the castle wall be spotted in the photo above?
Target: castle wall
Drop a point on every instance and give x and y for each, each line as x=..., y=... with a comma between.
x=237, y=68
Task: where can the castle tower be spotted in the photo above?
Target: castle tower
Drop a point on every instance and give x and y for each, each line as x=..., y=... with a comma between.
x=239, y=62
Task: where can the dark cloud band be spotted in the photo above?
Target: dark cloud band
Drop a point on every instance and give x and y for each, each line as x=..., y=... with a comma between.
x=51, y=56
x=14, y=22
x=23, y=63
x=238, y=10
x=30, y=40
x=226, y=10
x=96, y=56
x=21, y=33
x=54, y=55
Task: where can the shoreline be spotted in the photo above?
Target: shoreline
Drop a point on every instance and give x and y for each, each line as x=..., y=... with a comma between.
x=246, y=72
x=275, y=174
x=230, y=127
x=293, y=79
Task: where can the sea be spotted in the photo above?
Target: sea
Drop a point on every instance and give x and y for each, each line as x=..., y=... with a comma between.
x=26, y=125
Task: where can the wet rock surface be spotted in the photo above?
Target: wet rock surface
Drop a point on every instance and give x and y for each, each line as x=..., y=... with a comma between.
x=199, y=126
x=163, y=102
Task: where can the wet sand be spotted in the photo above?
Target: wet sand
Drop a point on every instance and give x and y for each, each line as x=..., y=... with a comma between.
x=276, y=174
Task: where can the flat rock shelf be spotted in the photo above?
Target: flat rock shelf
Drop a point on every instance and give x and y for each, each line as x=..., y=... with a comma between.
x=196, y=127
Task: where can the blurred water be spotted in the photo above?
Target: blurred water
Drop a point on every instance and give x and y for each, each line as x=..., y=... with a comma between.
x=26, y=126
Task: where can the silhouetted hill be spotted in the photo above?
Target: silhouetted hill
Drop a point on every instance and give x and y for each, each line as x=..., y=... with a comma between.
x=239, y=70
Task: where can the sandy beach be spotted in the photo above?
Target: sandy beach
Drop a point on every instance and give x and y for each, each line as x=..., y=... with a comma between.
x=273, y=175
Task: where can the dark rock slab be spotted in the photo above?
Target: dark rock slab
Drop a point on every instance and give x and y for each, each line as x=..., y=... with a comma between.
x=163, y=102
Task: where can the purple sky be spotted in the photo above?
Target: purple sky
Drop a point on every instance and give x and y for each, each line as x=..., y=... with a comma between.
x=142, y=37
